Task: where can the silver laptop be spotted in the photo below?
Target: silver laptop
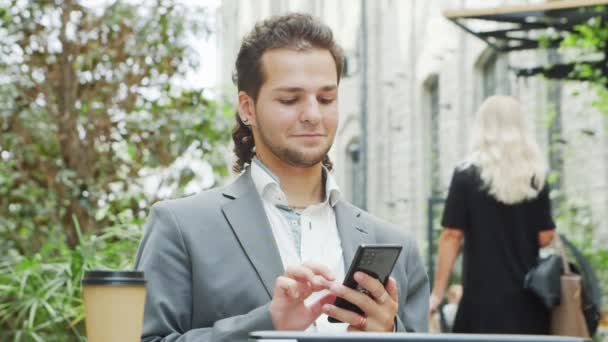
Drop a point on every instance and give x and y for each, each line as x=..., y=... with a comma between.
x=287, y=336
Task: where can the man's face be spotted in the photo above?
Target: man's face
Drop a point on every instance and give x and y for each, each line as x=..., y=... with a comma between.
x=296, y=113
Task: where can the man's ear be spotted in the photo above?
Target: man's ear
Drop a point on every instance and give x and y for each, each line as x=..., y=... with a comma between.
x=246, y=109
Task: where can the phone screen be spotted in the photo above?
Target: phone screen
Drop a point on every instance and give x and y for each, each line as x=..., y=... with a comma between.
x=376, y=260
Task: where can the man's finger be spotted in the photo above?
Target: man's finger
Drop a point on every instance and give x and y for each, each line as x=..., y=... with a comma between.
x=346, y=316
x=320, y=283
x=300, y=273
x=319, y=269
x=288, y=286
x=392, y=289
x=353, y=329
x=317, y=307
x=304, y=275
x=373, y=285
x=363, y=301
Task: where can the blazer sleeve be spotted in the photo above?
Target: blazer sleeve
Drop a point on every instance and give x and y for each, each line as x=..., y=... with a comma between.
x=164, y=257
x=414, y=302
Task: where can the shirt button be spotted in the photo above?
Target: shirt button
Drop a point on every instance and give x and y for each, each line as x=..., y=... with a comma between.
x=294, y=222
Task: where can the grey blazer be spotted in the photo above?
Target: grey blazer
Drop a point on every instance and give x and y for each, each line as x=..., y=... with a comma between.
x=211, y=262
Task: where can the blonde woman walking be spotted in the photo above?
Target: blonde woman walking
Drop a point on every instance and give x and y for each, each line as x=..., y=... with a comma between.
x=498, y=202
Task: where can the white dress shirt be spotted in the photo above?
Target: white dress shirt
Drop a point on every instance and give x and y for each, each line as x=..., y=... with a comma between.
x=320, y=241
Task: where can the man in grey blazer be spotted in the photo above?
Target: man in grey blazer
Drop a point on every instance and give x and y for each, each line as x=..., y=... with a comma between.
x=269, y=250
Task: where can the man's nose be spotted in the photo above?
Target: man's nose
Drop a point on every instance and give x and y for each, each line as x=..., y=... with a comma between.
x=312, y=110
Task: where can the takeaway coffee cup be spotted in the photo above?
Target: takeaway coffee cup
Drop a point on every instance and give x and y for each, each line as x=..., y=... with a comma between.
x=114, y=305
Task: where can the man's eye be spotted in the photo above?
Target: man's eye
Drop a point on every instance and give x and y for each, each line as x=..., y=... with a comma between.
x=326, y=100
x=288, y=101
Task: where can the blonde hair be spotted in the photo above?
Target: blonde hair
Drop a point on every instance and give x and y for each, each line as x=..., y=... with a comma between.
x=503, y=149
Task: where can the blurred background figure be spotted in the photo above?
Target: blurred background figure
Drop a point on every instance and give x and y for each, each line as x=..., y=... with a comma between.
x=442, y=320
x=450, y=309
x=498, y=202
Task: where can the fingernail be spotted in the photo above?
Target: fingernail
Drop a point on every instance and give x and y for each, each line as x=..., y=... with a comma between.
x=327, y=308
x=319, y=281
x=359, y=276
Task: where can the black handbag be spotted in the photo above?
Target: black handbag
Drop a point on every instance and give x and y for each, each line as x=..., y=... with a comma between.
x=544, y=280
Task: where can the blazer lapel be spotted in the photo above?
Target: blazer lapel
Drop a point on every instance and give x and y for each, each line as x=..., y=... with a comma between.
x=247, y=218
x=352, y=230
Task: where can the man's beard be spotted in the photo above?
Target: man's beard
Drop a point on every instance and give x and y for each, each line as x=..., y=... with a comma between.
x=294, y=157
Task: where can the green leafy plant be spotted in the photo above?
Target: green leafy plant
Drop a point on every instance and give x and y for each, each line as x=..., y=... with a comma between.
x=588, y=41
x=90, y=101
x=91, y=106
x=41, y=294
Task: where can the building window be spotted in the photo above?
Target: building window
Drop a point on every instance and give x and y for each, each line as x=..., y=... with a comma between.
x=489, y=78
x=495, y=76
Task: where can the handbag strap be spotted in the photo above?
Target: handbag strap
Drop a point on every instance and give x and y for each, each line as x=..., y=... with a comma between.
x=561, y=251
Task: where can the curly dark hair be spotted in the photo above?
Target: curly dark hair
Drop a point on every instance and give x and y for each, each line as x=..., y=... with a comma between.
x=294, y=31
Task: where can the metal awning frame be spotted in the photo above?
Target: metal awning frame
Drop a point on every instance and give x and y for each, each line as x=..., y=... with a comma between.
x=559, y=16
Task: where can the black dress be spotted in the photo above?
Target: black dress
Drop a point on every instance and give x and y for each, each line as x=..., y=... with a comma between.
x=501, y=245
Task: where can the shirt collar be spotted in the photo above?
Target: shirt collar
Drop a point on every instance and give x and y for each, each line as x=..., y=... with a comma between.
x=267, y=185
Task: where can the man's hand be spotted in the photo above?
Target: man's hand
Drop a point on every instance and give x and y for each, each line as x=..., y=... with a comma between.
x=287, y=308
x=379, y=311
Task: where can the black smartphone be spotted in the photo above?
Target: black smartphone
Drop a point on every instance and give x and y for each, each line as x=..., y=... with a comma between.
x=376, y=260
